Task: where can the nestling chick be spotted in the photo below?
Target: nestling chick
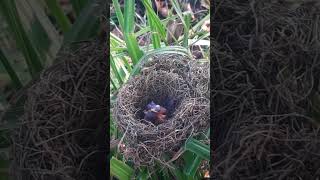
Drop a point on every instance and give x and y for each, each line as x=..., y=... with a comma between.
x=155, y=113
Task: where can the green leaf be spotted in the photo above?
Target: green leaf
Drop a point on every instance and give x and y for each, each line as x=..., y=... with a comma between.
x=164, y=50
x=115, y=70
x=143, y=174
x=119, y=13
x=120, y=170
x=14, y=77
x=78, y=5
x=154, y=34
x=133, y=47
x=178, y=174
x=176, y=6
x=187, y=19
x=129, y=16
x=193, y=167
x=40, y=30
x=29, y=51
x=113, y=84
x=156, y=26
x=127, y=26
x=86, y=25
x=198, y=148
x=59, y=15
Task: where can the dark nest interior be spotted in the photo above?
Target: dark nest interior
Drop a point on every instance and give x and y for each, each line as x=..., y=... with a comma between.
x=266, y=68
x=62, y=134
x=167, y=75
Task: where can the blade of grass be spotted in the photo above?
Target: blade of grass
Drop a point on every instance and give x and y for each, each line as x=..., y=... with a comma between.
x=127, y=26
x=120, y=170
x=178, y=174
x=192, y=169
x=129, y=15
x=115, y=70
x=155, y=23
x=78, y=5
x=29, y=51
x=41, y=32
x=143, y=175
x=177, y=8
x=198, y=148
x=126, y=63
x=133, y=48
x=118, y=13
x=114, y=85
x=59, y=15
x=154, y=35
x=187, y=19
x=200, y=23
x=86, y=25
x=164, y=50
x=14, y=77
x=193, y=165
x=130, y=39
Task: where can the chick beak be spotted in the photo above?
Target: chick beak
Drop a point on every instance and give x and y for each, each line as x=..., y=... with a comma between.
x=153, y=110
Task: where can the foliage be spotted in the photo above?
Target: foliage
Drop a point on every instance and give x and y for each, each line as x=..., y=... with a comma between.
x=126, y=57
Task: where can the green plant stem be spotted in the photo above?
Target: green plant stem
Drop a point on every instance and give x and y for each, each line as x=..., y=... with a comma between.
x=14, y=77
x=59, y=15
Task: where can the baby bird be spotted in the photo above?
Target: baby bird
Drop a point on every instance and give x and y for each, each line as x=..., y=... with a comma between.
x=155, y=113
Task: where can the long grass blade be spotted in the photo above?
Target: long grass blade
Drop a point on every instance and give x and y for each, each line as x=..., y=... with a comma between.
x=113, y=84
x=14, y=77
x=86, y=25
x=29, y=51
x=129, y=16
x=115, y=70
x=164, y=50
x=78, y=5
x=193, y=167
x=120, y=170
x=157, y=28
x=59, y=15
x=126, y=22
x=126, y=63
x=177, y=8
x=187, y=19
x=41, y=32
x=143, y=175
x=176, y=172
x=119, y=13
x=198, y=148
x=130, y=39
x=133, y=47
x=154, y=35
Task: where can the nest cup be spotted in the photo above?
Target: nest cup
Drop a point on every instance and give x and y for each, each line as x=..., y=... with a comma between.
x=62, y=132
x=167, y=75
x=266, y=90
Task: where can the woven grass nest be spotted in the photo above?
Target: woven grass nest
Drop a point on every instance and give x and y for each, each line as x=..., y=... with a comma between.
x=163, y=75
x=62, y=132
x=266, y=90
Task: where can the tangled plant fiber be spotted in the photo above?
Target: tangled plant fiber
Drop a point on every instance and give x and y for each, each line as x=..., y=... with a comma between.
x=266, y=71
x=162, y=76
x=62, y=134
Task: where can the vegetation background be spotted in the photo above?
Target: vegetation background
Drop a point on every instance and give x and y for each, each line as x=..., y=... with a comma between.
x=143, y=27
x=33, y=32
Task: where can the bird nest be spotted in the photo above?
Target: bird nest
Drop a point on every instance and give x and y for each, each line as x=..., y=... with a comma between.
x=266, y=70
x=162, y=76
x=62, y=134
